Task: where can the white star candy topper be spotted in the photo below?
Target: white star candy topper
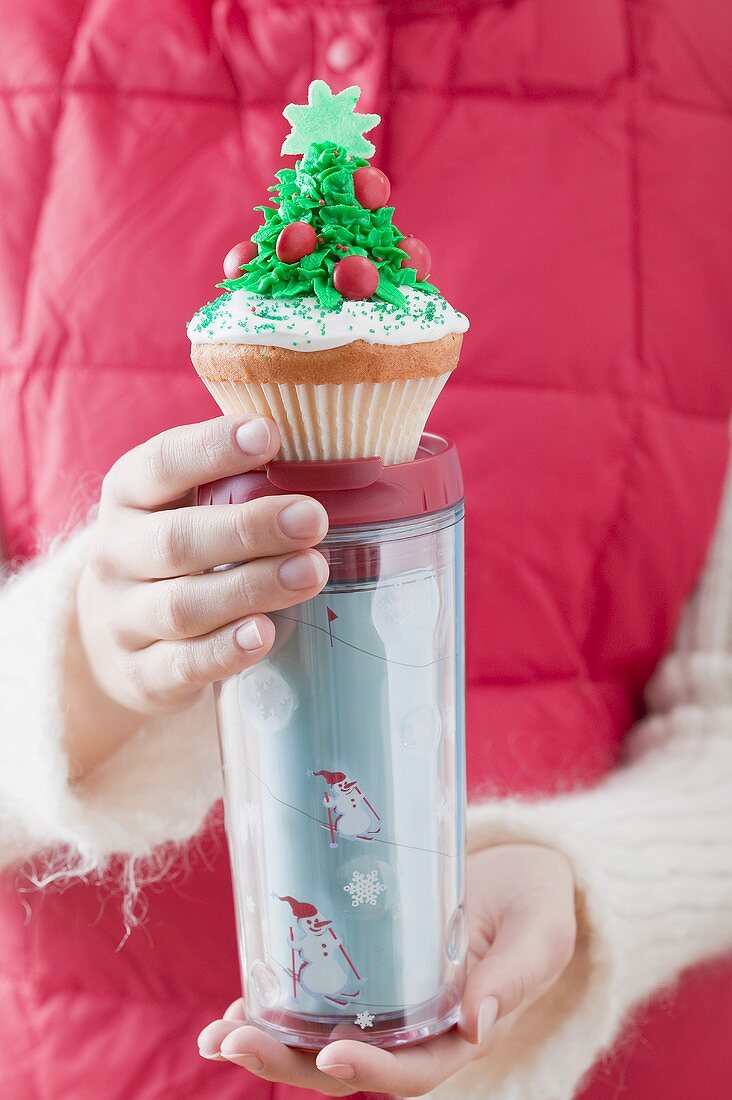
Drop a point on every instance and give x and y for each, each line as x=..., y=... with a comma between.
x=328, y=117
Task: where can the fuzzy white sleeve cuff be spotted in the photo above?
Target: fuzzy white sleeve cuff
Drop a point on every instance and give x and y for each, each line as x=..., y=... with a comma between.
x=157, y=788
x=652, y=855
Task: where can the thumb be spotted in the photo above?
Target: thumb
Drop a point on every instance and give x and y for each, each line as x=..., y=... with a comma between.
x=528, y=954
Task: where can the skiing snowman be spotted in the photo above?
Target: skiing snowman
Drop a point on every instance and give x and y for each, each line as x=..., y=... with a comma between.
x=350, y=814
x=320, y=963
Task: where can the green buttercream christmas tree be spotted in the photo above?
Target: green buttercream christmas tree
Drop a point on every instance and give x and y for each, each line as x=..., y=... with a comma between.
x=331, y=210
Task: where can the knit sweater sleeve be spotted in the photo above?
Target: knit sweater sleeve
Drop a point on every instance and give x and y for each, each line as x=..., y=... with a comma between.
x=651, y=849
x=157, y=788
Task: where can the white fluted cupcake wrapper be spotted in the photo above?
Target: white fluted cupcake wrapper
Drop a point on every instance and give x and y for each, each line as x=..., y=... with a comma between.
x=338, y=421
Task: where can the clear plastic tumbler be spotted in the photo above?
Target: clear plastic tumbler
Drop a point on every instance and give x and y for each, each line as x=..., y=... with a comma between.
x=343, y=755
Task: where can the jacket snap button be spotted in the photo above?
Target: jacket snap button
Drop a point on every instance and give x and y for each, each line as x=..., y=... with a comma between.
x=343, y=52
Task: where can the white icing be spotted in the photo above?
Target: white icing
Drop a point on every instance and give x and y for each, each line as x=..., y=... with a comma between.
x=300, y=323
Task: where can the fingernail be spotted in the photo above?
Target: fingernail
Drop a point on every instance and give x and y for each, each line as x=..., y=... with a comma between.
x=248, y=1061
x=254, y=437
x=211, y=1038
x=487, y=1016
x=248, y=636
x=339, y=1070
x=301, y=520
x=300, y=571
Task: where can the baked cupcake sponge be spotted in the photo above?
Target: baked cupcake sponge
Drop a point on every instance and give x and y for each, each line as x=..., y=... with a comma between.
x=353, y=401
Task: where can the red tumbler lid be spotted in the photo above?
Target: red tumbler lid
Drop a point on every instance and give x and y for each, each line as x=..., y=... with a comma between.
x=359, y=490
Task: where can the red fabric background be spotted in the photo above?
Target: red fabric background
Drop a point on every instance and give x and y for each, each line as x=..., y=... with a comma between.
x=569, y=165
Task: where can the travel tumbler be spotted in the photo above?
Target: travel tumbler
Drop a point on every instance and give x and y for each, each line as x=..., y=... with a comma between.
x=343, y=756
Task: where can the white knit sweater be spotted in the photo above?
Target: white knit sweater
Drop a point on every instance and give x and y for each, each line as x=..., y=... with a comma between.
x=651, y=846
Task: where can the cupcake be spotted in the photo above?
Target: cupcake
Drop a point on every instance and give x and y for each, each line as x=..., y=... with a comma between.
x=329, y=323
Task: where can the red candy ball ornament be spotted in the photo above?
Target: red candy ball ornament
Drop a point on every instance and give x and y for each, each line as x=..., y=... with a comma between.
x=372, y=188
x=295, y=241
x=355, y=277
x=419, y=256
x=242, y=253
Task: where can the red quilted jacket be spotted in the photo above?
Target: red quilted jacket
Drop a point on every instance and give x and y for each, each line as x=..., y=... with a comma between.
x=569, y=165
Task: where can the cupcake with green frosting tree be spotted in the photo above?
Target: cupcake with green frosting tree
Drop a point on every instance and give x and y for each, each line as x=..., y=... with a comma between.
x=329, y=322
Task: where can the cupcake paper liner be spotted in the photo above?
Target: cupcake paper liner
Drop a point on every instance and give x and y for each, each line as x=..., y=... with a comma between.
x=328, y=422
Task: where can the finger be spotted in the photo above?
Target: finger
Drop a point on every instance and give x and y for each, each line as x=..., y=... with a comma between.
x=188, y=607
x=409, y=1072
x=236, y=1011
x=272, y=1061
x=168, y=673
x=181, y=541
x=169, y=465
x=210, y=1039
x=530, y=951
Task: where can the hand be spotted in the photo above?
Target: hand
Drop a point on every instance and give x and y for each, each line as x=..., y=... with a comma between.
x=154, y=625
x=522, y=934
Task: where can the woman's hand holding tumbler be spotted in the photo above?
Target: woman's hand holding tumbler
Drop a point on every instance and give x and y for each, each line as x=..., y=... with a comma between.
x=155, y=626
x=522, y=926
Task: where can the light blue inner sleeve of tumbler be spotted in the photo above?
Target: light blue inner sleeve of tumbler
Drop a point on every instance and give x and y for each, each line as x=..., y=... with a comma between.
x=364, y=683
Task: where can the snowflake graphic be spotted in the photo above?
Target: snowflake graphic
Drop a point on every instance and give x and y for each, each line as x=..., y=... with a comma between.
x=250, y=818
x=364, y=1020
x=267, y=694
x=249, y=904
x=422, y=728
x=442, y=810
x=405, y=617
x=266, y=698
x=391, y=609
x=365, y=889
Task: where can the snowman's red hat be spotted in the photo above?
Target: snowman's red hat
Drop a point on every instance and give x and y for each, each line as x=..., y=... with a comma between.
x=300, y=908
x=332, y=777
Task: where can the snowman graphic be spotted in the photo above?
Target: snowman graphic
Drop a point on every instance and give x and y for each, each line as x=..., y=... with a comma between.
x=320, y=963
x=350, y=814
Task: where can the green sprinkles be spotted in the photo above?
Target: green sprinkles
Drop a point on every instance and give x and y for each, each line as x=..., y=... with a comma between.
x=426, y=312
